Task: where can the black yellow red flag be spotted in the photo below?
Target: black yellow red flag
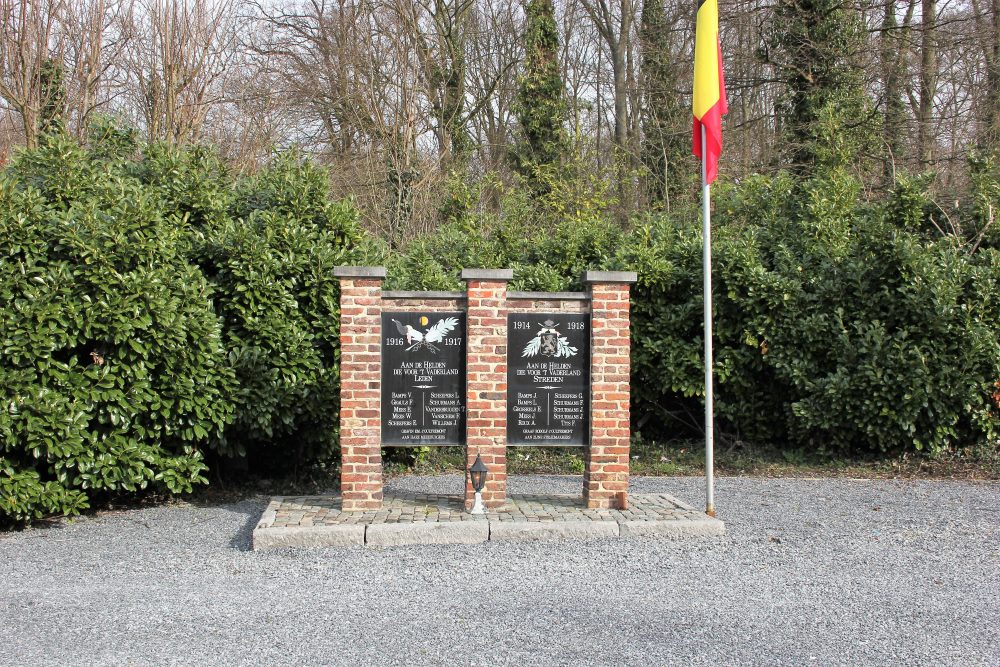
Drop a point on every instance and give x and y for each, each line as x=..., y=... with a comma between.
x=709, y=101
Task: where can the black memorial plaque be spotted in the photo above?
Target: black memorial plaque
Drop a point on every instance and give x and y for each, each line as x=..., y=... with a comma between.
x=423, y=379
x=548, y=379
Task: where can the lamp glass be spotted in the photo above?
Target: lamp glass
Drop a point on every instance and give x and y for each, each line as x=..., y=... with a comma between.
x=477, y=474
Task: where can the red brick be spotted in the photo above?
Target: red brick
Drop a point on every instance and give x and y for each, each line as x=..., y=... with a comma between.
x=607, y=463
x=486, y=406
x=361, y=477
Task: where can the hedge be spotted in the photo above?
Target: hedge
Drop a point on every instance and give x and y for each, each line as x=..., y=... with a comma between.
x=113, y=370
x=158, y=308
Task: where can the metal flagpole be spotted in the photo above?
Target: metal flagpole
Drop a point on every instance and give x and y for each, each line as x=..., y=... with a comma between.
x=706, y=221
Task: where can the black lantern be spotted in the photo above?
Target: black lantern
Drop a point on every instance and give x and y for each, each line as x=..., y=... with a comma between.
x=477, y=474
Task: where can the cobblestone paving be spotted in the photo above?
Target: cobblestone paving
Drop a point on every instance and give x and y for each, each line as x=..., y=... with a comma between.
x=405, y=507
x=304, y=511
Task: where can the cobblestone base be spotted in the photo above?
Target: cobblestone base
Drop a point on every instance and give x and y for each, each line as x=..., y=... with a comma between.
x=417, y=518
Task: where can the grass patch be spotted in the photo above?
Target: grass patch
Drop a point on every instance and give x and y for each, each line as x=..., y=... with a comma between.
x=687, y=457
x=398, y=461
x=738, y=459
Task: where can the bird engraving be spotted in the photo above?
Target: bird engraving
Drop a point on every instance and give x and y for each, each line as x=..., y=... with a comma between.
x=435, y=334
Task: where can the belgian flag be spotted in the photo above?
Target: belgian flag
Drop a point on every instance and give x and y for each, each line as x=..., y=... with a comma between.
x=709, y=101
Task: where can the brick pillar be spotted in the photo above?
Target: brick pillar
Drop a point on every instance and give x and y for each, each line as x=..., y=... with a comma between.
x=486, y=408
x=606, y=470
x=360, y=386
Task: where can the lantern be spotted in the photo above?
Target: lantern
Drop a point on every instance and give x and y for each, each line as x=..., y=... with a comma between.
x=477, y=475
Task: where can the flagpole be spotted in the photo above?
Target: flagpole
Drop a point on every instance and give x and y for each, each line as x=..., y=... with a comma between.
x=706, y=220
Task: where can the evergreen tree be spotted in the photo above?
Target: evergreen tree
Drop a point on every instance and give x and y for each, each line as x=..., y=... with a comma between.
x=892, y=57
x=540, y=106
x=53, y=96
x=666, y=123
x=824, y=107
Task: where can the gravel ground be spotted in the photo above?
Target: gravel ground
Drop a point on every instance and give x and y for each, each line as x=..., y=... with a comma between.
x=810, y=572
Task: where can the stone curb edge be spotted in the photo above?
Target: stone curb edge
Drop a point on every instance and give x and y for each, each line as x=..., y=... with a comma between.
x=472, y=532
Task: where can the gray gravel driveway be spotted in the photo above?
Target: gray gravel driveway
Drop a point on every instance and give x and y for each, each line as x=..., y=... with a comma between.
x=810, y=572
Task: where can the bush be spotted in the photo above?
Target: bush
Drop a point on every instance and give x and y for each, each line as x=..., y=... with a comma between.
x=113, y=369
x=835, y=329
x=267, y=244
x=667, y=333
x=271, y=261
x=548, y=244
x=840, y=326
x=159, y=307
x=984, y=170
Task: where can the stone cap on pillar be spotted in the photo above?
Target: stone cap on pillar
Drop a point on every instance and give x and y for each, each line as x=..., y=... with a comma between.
x=359, y=271
x=504, y=275
x=610, y=276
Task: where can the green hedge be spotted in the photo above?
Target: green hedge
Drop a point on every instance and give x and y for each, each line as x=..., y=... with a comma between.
x=836, y=329
x=113, y=372
x=548, y=247
x=840, y=326
x=271, y=262
x=267, y=244
x=157, y=308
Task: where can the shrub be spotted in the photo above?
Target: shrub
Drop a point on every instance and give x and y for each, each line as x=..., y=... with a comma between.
x=548, y=245
x=271, y=261
x=984, y=170
x=667, y=333
x=835, y=329
x=268, y=243
x=839, y=325
x=113, y=370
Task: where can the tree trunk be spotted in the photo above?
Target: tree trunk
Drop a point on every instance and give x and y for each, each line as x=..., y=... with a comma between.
x=889, y=56
x=989, y=134
x=928, y=81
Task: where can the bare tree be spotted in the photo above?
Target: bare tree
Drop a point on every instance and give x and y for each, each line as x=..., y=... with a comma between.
x=177, y=56
x=395, y=95
x=614, y=23
x=93, y=48
x=494, y=52
x=986, y=15
x=928, y=80
x=30, y=56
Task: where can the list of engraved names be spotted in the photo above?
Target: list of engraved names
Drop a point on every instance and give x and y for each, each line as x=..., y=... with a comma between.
x=548, y=369
x=423, y=379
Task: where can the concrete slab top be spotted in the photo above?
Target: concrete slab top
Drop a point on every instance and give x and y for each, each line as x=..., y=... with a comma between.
x=610, y=277
x=421, y=518
x=432, y=294
x=488, y=274
x=549, y=296
x=359, y=271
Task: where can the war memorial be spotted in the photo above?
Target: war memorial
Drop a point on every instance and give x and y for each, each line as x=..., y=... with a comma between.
x=484, y=369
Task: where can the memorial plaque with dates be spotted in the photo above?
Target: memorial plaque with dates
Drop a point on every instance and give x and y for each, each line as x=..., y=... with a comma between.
x=423, y=379
x=548, y=379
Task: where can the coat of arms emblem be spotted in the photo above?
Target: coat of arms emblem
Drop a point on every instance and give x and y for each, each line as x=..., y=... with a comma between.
x=549, y=342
